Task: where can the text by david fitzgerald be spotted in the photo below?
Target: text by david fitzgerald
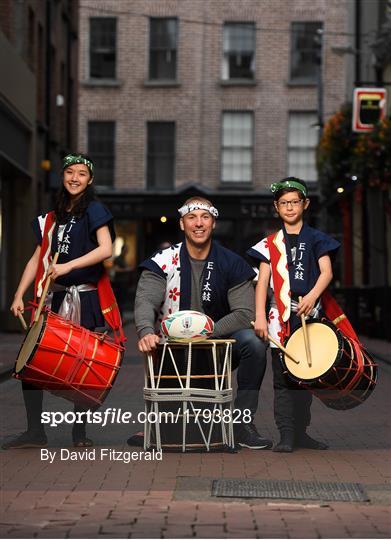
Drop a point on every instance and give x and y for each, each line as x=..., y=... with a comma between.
x=100, y=454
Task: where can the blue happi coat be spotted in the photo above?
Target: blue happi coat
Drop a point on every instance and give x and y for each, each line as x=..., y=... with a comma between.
x=223, y=270
x=303, y=265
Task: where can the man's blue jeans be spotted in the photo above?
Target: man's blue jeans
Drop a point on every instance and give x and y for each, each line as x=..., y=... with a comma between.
x=249, y=356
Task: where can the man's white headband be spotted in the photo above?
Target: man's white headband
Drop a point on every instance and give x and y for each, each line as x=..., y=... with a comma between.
x=186, y=208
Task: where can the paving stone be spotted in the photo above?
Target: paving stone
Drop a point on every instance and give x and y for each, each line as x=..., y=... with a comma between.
x=141, y=499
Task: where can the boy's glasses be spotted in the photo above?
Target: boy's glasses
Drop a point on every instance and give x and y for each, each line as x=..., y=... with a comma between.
x=295, y=203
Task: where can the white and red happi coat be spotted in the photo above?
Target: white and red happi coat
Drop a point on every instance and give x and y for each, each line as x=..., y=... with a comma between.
x=107, y=300
x=273, y=250
x=223, y=269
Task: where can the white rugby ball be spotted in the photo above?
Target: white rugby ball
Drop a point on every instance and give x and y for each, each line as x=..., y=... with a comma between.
x=187, y=325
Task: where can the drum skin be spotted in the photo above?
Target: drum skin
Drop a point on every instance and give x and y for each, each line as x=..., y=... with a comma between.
x=68, y=360
x=342, y=375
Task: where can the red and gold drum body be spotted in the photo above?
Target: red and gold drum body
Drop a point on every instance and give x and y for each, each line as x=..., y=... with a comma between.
x=342, y=374
x=68, y=360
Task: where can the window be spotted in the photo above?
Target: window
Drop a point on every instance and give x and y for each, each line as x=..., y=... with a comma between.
x=40, y=77
x=101, y=146
x=238, y=51
x=31, y=39
x=103, y=37
x=53, y=89
x=3, y=256
x=305, y=52
x=163, y=34
x=160, y=155
x=302, y=142
x=237, y=147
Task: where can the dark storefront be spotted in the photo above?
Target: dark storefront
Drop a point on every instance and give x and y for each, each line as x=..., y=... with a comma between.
x=149, y=220
x=16, y=206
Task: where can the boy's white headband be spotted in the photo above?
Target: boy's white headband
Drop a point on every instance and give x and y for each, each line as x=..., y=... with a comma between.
x=186, y=208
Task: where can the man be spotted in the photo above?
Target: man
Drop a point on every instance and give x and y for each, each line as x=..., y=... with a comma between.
x=201, y=275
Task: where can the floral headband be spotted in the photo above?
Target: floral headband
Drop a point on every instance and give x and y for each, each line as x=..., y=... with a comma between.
x=74, y=159
x=186, y=208
x=276, y=186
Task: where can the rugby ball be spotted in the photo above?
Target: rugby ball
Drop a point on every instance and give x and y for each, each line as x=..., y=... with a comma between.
x=187, y=325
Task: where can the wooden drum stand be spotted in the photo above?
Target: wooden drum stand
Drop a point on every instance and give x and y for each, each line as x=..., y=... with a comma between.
x=188, y=396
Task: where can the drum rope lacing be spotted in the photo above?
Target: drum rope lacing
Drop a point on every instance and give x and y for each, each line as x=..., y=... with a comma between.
x=189, y=396
x=68, y=343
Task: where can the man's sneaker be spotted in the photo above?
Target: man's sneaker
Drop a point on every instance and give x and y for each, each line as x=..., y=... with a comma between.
x=248, y=437
x=26, y=440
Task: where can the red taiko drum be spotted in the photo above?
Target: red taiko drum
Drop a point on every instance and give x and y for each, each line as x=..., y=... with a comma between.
x=66, y=359
x=342, y=374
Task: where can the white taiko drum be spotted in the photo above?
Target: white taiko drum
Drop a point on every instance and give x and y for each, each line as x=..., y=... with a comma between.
x=188, y=387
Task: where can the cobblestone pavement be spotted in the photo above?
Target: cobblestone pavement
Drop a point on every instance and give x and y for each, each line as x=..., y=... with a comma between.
x=172, y=498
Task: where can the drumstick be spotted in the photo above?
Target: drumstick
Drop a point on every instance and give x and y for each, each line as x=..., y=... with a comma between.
x=306, y=341
x=283, y=349
x=45, y=290
x=22, y=321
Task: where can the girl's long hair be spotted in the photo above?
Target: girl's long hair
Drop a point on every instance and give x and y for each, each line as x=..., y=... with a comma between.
x=63, y=201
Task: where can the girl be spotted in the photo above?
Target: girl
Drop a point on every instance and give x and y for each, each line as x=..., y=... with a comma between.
x=81, y=231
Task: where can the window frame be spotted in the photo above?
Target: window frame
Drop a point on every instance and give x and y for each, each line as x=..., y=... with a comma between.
x=238, y=80
x=242, y=184
x=288, y=147
x=164, y=81
x=301, y=81
x=149, y=187
x=89, y=51
x=111, y=184
x=31, y=39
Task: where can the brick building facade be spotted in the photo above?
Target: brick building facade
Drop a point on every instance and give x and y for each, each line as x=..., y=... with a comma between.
x=234, y=90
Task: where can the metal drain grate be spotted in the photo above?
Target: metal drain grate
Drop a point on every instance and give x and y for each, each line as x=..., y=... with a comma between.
x=289, y=489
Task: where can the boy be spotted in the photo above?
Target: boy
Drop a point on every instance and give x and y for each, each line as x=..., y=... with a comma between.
x=295, y=262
